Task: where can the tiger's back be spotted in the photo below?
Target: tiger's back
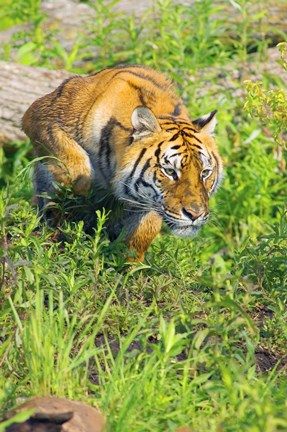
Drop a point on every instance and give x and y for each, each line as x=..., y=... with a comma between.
x=90, y=109
x=115, y=130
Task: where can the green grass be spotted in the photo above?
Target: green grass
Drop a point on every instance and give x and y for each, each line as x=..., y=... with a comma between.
x=197, y=335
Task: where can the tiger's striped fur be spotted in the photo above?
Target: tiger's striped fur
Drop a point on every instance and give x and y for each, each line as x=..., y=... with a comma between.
x=124, y=130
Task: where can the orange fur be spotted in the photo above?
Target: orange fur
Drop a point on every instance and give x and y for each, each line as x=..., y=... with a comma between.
x=119, y=130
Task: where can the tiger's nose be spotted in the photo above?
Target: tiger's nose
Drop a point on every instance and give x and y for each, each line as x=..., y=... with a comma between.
x=193, y=212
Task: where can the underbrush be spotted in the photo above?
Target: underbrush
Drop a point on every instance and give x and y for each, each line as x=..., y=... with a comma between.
x=197, y=335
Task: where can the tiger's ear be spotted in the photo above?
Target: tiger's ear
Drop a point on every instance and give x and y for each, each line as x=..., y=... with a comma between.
x=207, y=122
x=144, y=122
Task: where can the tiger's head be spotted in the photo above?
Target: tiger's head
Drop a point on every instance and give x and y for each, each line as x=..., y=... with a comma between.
x=172, y=167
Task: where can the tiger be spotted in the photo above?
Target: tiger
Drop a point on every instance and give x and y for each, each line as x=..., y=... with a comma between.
x=125, y=131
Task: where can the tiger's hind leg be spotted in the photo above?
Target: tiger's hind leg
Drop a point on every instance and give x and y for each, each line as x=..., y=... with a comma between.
x=142, y=228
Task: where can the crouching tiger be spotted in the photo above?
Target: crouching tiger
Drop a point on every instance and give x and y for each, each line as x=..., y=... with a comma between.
x=124, y=131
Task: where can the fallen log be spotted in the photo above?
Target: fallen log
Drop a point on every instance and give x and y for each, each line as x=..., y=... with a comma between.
x=19, y=87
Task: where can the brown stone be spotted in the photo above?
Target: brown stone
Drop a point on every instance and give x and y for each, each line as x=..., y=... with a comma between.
x=184, y=429
x=57, y=415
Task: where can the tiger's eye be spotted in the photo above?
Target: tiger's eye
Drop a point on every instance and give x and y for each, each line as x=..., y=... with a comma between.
x=206, y=173
x=171, y=172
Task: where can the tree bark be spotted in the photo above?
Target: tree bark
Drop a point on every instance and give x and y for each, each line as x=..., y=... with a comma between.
x=19, y=87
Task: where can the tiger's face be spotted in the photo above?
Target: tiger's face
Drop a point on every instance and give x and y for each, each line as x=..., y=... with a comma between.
x=172, y=167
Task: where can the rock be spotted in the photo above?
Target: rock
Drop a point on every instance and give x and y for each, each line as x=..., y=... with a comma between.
x=57, y=415
x=184, y=429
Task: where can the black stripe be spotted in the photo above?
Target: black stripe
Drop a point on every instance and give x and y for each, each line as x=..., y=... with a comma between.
x=146, y=97
x=121, y=126
x=177, y=110
x=129, y=193
x=167, y=123
x=217, y=165
x=105, y=148
x=183, y=121
x=137, y=162
x=174, y=155
x=61, y=87
x=142, y=76
x=167, y=117
x=196, y=154
x=145, y=184
x=171, y=129
x=154, y=176
x=98, y=72
x=177, y=120
x=140, y=179
x=192, y=136
x=166, y=159
x=131, y=66
x=213, y=186
x=121, y=66
x=193, y=145
x=145, y=167
x=175, y=136
x=175, y=147
x=157, y=152
x=139, y=92
x=183, y=161
x=189, y=129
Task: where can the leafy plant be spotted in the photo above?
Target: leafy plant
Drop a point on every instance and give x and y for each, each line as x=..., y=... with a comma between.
x=270, y=106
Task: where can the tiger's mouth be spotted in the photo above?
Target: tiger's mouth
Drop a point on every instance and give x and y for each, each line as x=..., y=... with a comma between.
x=181, y=226
x=181, y=229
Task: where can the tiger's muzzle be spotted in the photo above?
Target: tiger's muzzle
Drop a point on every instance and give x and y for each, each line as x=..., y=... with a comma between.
x=187, y=221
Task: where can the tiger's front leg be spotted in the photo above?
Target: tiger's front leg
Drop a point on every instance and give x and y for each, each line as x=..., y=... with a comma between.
x=70, y=164
x=141, y=228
